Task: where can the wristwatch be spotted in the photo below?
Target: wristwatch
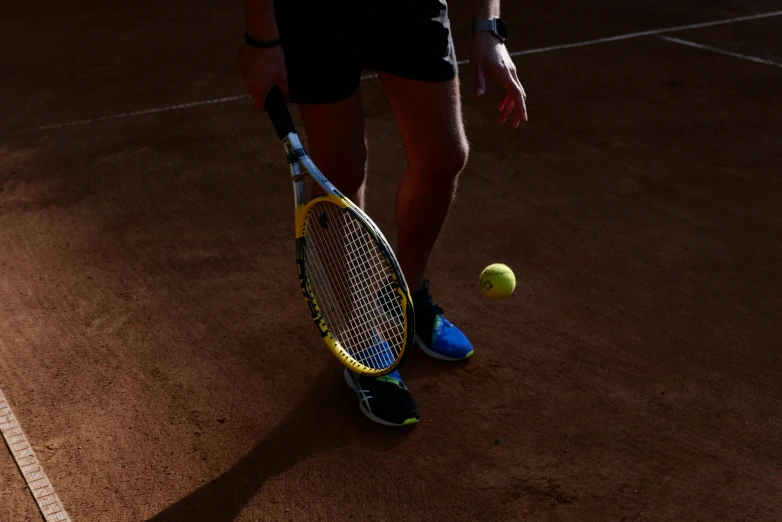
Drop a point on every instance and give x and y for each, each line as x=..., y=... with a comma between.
x=495, y=25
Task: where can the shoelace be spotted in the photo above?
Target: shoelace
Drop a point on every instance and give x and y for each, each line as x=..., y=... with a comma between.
x=428, y=298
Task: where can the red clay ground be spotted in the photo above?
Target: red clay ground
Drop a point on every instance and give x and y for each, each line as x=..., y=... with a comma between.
x=152, y=332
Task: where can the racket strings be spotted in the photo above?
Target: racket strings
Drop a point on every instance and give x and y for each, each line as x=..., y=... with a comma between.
x=349, y=327
x=353, y=286
x=361, y=332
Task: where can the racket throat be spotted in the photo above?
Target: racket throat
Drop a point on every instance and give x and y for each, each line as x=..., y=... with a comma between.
x=294, y=151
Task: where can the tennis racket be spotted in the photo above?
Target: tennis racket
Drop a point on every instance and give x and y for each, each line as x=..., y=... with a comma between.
x=350, y=277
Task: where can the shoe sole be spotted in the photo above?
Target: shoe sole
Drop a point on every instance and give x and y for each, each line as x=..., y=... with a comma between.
x=368, y=414
x=436, y=355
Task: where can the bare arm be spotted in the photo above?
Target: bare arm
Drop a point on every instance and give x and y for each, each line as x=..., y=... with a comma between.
x=489, y=55
x=261, y=68
x=259, y=19
x=485, y=9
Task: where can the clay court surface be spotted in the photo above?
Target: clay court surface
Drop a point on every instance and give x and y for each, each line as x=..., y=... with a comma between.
x=156, y=350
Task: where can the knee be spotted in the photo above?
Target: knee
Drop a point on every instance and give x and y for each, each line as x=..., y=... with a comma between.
x=458, y=158
x=446, y=162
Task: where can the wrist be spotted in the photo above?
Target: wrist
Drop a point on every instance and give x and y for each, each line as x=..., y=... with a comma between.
x=484, y=9
x=485, y=38
x=492, y=27
x=486, y=13
x=260, y=23
x=261, y=44
x=262, y=32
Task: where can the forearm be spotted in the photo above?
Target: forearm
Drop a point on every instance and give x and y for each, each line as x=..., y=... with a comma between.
x=259, y=21
x=485, y=9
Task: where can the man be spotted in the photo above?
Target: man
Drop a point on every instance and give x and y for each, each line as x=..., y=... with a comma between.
x=315, y=50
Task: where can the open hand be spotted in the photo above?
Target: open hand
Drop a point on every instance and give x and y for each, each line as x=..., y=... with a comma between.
x=489, y=55
x=260, y=69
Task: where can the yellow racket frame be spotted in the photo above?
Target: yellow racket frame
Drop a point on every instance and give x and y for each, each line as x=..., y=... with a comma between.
x=301, y=165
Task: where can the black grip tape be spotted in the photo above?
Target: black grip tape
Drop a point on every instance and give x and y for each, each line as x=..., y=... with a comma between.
x=278, y=112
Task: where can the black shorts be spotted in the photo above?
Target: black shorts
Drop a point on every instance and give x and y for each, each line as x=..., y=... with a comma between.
x=328, y=43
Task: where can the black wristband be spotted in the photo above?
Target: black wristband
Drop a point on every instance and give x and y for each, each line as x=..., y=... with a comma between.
x=260, y=43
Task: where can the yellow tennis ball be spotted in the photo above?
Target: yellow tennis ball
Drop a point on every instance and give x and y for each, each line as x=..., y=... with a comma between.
x=497, y=281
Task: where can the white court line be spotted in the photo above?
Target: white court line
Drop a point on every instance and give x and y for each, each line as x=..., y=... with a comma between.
x=134, y=113
x=538, y=50
x=40, y=487
x=721, y=51
x=647, y=33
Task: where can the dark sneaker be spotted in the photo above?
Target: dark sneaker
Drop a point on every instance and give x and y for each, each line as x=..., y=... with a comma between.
x=385, y=400
x=434, y=334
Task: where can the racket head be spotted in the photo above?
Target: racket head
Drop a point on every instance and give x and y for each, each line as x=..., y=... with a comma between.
x=352, y=283
x=350, y=277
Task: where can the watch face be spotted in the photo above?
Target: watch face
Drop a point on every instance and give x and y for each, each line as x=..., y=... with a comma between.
x=502, y=28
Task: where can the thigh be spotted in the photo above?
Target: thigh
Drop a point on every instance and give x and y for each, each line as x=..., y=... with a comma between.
x=429, y=117
x=336, y=141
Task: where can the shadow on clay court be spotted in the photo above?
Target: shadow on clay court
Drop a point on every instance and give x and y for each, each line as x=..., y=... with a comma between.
x=421, y=366
x=321, y=422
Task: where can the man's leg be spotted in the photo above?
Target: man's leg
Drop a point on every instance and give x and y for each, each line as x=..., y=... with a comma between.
x=324, y=72
x=430, y=122
x=336, y=143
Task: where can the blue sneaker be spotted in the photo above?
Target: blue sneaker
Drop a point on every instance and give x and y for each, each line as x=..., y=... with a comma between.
x=435, y=335
x=385, y=400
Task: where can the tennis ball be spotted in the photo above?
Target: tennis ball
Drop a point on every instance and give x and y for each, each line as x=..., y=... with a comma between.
x=497, y=281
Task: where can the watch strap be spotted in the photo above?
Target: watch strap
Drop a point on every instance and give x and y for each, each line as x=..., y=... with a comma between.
x=494, y=25
x=261, y=43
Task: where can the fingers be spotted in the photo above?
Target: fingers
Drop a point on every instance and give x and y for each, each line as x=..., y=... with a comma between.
x=521, y=101
x=516, y=77
x=513, y=101
x=521, y=109
x=479, y=79
x=508, y=110
x=515, y=97
x=282, y=83
x=504, y=102
x=259, y=70
x=259, y=94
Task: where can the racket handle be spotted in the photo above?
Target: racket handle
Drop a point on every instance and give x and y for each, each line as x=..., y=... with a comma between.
x=278, y=112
